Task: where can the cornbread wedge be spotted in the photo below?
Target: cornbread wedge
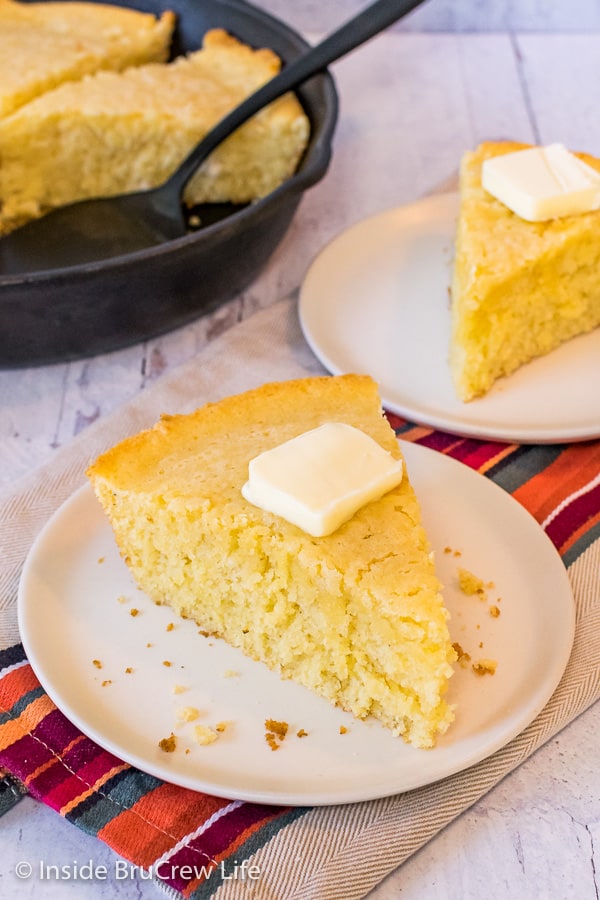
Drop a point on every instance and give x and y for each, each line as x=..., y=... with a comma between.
x=356, y=616
x=43, y=45
x=520, y=288
x=113, y=133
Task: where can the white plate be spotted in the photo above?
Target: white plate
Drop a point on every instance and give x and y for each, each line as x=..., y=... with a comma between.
x=70, y=615
x=376, y=301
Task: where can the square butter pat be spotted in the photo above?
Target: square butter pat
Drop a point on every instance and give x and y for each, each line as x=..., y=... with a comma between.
x=319, y=479
x=542, y=183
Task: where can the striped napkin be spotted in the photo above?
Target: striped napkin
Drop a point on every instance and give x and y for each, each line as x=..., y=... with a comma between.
x=200, y=846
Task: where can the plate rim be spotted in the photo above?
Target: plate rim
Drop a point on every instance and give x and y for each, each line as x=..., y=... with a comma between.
x=543, y=693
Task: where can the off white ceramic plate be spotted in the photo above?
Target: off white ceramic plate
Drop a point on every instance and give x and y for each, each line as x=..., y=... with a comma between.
x=75, y=604
x=376, y=301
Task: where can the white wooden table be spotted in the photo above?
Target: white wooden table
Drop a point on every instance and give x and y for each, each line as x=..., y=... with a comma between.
x=411, y=102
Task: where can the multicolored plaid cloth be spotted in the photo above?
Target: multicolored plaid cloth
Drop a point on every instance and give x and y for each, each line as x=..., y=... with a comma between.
x=194, y=842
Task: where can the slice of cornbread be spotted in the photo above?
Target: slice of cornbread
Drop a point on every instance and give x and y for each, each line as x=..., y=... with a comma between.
x=46, y=44
x=117, y=132
x=519, y=288
x=356, y=616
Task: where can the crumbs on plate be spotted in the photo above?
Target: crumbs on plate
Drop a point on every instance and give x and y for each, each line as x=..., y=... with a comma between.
x=168, y=744
x=485, y=667
x=275, y=733
x=205, y=735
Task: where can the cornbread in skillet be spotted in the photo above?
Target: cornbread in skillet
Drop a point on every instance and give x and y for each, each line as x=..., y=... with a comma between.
x=112, y=133
x=45, y=44
x=520, y=288
x=356, y=616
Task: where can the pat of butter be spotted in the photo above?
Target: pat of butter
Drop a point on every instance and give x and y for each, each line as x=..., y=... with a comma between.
x=542, y=183
x=319, y=479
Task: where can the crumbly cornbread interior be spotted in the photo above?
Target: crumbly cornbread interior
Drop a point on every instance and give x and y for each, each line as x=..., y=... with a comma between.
x=519, y=288
x=115, y=132
x=356, y=616
x=46, y=44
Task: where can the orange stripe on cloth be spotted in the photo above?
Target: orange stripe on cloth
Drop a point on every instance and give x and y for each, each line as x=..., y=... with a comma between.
x=75, y=801
x=500, y=455
x=569, y=472
x=15, y=729
x=17, y=683
x=157, y=821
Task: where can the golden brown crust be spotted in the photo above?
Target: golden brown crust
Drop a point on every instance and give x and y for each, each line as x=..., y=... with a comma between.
x=47, y=44
x=129, y=130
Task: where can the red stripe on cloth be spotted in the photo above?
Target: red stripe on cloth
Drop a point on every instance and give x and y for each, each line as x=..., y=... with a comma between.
x=396, y=422
x=441, y=441
x=158, y=820
x=576, y=466
x=579, y=532
x=25, y=755
x=576, y=516
x=54, y=760
x=224, y=838
x=56, y=784
x=480, y=455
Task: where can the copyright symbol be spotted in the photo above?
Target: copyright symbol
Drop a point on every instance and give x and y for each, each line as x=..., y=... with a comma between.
x=23, y=869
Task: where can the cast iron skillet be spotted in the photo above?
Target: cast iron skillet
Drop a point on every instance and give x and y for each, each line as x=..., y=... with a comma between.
x=62, y=314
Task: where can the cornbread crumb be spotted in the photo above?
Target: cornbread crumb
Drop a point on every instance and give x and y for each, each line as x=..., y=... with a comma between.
x=128, y=670
x=187, y=713
x=204, y=735
x=343, y=729
x=97, y=663
x=485, y=666
x=276, y=732
x=149, y=644
x=100, y=560
x=221, y=727
x=179, y=689
x=106, y=682
x=462, y=657
x=168, y=745
x=278, y=728
x=494, y=612
x=301, y=733
x=471, y=584
x=167, y=663
x=272, y=741
x=134, y=612
x=122, y=599
x=230, y=673
x=170, y=626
